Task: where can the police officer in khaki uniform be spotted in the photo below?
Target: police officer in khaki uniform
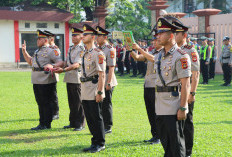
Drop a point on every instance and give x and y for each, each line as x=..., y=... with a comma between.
x=55, y=106
x=72, y=69
x=92, y=89
x=226, y=60
x=44, y=82
x=181, y=35
x=149, y=85
x=111, y=80
x=173, y=69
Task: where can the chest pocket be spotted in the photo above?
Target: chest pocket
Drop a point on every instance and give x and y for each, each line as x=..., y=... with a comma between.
x=43, y=58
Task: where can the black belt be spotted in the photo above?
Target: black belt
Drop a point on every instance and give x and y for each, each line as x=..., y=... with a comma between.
x=94, y=79
x=37, y=69
x=167, y=89
x=225, y=57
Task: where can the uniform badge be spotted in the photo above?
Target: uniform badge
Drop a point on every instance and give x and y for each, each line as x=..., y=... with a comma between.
x=184, y=63
x=112, y=54
x=101, y=59
x=56, y=52
x=194, y=56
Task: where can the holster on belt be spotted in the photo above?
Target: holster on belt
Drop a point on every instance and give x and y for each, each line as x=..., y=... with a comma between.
x=94, y=79
x=173, y=89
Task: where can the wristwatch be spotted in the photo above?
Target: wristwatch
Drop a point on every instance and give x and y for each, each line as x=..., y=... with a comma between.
x=193, y=93
x=108, y=84
x=183, y=108
x=99, y=93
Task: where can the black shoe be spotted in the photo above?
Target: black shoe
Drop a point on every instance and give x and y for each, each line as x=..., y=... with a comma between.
x=55, y=117
x=40, y=127
x=89, y=148
x=133, y=76
x=67, y=127
x=97, y=148
x=108, y=131
x=78, y=129
x=121, y=75
x=142, y=76
x=204, y=83
x=153, y=140
x=228, y=85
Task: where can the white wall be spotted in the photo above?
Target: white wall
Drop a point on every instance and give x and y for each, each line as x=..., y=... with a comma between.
x=7, y=50
x=33, y=28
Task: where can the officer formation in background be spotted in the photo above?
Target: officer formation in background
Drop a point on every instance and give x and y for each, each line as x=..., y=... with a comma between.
x=171, y=66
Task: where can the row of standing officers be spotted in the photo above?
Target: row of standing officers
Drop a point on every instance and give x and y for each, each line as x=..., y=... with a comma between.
x=89, y=74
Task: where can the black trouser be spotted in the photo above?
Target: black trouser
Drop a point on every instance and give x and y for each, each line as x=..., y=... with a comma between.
x=93, y=114
x=55, y=104
x=211, y=68
x=120, y=65
x=76, y=116
x=127, y=65
x=189, y=130
x=227, y=73
x=44, y=95
x=134, y=66
x=170, y=132
x=149, y=98
x=107, y=109
x=205, y=71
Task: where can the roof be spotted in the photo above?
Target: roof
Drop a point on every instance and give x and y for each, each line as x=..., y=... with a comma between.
x=35, y=15
x=80, y=25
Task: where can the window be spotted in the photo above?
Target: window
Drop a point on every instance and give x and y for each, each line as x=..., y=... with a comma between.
x=56, y=25
x=189, y=6
x=41, y=25
x=27, y=25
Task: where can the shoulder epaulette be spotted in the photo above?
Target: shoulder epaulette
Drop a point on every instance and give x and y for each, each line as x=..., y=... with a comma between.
x=109, y=46
x=188, y=46
x=97, y=49
x=181, y=51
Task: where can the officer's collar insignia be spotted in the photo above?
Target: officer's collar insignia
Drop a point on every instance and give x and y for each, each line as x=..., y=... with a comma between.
x=72, y=30
x=172, y=49
x=97, y=28
x=84, y=28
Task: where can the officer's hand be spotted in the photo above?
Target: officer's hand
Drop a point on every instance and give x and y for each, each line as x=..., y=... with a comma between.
x=24, y=46
x=58, y=70
x=206, y=63
x=48, y=67
x=191, y=99
x=181, y=115
x=99, y=98
x=108, y=87
x=135, y=46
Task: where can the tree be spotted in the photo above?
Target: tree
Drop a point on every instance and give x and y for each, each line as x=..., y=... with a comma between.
x=128, y=15
x=218, y=4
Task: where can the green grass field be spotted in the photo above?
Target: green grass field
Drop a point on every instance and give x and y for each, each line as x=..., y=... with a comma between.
x=19, y=112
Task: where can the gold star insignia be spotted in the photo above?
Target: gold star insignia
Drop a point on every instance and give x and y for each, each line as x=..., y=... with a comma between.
x=84, y=28
x=159, y=24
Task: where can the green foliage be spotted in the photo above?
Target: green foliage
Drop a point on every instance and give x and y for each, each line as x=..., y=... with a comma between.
x=129, y=15
x=217, y=4
x=19, y=112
